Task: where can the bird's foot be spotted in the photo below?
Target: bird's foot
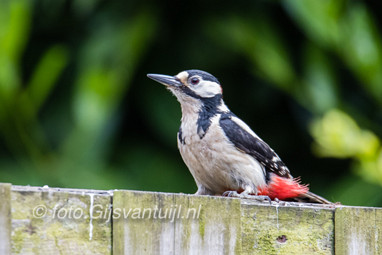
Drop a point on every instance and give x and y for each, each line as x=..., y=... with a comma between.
x=258, y=198
x=233, y=193
x=230, y=193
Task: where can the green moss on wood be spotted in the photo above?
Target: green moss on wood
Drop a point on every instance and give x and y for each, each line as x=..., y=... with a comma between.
x=5, y=218
x=54, y=234
x=224, y=225
x=358, y=230
x=216, y=229
x=286, y=230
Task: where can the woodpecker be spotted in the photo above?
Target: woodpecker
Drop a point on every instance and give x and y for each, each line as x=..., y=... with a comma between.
x=223, y=154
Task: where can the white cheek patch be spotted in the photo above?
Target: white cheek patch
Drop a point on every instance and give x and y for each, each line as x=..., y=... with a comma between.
x=207, y=89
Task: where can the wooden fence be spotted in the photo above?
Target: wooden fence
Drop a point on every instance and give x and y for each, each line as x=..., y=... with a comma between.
x=43, y=220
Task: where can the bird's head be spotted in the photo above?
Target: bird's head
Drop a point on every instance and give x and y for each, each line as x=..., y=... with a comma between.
x=191, y=86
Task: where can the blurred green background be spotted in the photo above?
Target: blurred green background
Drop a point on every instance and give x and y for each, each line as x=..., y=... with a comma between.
x=77, y=110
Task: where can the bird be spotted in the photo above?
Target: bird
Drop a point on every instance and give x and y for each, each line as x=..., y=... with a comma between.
x=224, y=155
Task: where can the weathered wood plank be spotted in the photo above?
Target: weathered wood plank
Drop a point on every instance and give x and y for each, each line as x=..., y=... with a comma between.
x=57, y=221
x=36, y=220
x=286, y=229
x=5, y=218
x=196, y=225
x=358, y=230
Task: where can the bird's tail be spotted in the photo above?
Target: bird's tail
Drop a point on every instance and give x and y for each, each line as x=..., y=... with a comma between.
x=310, y=197
x=290, y=189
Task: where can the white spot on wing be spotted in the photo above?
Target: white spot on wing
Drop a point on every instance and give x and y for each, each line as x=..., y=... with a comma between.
x=245, y=127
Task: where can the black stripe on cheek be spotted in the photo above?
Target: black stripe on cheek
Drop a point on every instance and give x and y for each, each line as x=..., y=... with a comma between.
x=207, y=112
x=189, y=92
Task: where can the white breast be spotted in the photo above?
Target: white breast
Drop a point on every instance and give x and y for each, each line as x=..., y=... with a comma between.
x=214, y=162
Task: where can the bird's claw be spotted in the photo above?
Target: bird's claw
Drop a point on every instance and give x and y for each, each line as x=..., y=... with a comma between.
x=259, y=198
x=232, y=193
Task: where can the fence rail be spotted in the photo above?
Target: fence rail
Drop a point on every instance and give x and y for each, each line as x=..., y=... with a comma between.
x=43, y=220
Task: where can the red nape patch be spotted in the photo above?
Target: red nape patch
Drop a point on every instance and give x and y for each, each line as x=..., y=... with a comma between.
x=283, y=188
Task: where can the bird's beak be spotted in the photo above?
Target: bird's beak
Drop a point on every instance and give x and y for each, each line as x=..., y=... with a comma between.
x=165, y=79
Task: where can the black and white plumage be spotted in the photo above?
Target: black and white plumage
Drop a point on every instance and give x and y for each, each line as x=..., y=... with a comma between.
x=221, y=151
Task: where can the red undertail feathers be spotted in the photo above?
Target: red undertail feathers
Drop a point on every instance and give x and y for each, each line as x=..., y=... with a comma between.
x=283, y=188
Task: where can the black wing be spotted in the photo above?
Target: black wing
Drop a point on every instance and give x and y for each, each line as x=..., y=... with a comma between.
x=252, y=145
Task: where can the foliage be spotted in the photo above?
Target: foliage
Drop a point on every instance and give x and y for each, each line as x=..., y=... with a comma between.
x=76, y=109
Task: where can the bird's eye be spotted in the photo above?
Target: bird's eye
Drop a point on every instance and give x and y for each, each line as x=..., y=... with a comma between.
x=194, y=81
